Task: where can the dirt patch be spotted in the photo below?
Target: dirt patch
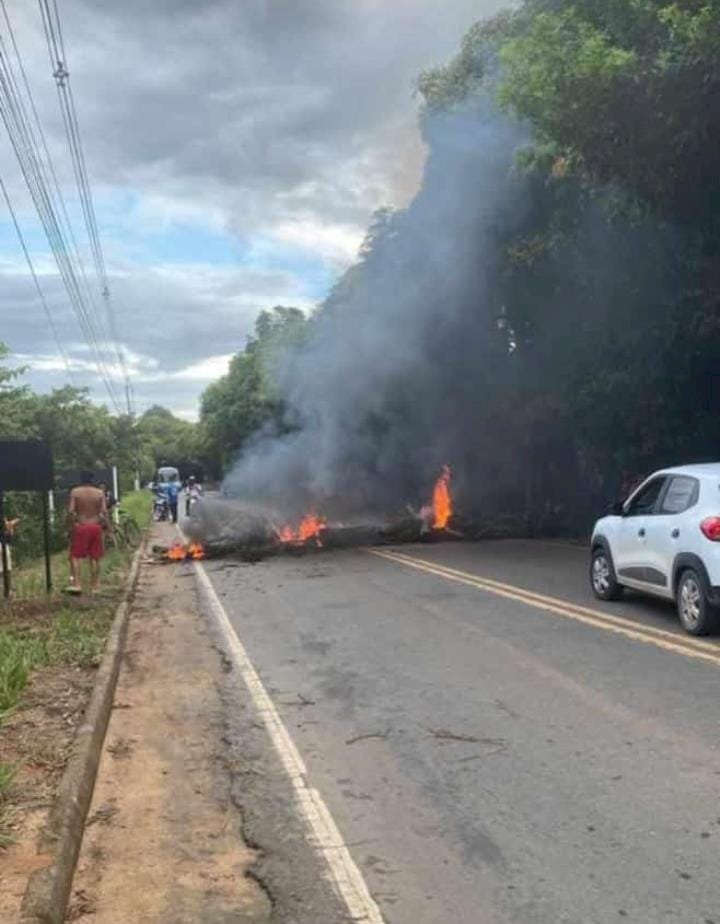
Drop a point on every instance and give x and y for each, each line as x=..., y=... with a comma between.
x=163, y=844
x=29, y=613
x=36, y=740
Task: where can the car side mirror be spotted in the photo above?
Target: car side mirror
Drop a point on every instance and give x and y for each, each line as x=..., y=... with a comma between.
x=617, y=509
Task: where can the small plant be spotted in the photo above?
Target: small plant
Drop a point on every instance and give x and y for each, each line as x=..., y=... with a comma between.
x=18, y=656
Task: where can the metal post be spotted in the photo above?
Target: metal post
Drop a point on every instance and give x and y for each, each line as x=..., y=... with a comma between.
x=46, y=537
x=51, y=506
x=116, y=495
x=4, y=549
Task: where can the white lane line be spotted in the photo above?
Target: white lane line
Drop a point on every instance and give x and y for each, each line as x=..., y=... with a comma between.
x=323, y=833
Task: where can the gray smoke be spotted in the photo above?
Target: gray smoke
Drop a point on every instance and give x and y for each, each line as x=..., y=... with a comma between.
x=389, y=386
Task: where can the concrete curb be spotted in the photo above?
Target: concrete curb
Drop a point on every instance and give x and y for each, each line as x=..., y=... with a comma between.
x=48, y=890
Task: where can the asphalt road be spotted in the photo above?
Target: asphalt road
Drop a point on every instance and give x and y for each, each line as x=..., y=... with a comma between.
x=488, y=756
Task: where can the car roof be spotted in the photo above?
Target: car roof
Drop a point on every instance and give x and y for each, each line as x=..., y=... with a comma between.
x=705, y=469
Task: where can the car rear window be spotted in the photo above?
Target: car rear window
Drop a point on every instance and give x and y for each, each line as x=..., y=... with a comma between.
x=681, y=494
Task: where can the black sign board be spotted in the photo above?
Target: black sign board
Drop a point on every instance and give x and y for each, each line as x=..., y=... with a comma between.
x=25, y=465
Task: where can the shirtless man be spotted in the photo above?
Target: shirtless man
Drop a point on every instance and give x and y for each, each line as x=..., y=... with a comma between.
x=88, y=515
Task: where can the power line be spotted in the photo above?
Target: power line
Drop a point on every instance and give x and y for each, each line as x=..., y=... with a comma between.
x=58, y=60
x=31, y=167
x=65, y=218
x=36, y=281
x=25, y=145
x=22, y=137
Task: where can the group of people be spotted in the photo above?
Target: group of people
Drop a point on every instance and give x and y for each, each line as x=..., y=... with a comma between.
x=167, y=493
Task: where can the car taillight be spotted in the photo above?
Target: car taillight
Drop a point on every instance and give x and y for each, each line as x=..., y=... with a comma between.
x=710, y=527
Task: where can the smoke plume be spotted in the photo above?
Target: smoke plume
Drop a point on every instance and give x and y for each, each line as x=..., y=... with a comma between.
x=390, y=384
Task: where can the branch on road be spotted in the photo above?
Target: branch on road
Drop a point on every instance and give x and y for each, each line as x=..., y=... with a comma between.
x=367, y=737
x=444, y=735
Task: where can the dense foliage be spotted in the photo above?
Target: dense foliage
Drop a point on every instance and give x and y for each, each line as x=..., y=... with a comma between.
x=86, y=435
x=615, y=281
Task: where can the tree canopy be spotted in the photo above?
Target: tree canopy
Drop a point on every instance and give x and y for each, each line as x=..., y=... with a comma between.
x=247, y=398
x=86, y=435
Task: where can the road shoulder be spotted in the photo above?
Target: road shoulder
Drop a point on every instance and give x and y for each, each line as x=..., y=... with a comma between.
x=163, y=841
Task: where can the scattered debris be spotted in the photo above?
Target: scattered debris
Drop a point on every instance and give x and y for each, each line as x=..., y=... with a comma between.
x=104, y=815
x=366, y=737
x=300, y=701
x=444, y=735
x=81, y=905
x=120, y=748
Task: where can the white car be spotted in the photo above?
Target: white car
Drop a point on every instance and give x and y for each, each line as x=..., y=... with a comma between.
x=664, y=540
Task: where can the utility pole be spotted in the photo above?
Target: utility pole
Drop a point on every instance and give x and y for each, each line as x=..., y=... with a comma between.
x=136, y=451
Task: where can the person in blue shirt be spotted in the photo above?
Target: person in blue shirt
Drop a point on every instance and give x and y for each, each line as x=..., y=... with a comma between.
x=171, y=489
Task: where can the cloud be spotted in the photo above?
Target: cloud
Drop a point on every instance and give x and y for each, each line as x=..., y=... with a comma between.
x=236, y=150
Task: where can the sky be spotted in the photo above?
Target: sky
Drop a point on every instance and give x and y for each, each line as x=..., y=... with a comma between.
x=236, y=151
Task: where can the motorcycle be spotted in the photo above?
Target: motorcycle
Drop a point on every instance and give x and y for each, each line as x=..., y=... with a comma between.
x=161, y=508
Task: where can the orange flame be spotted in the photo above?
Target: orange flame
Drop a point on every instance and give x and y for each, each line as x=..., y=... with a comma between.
x=176, y=552
x=309, y=527
x=179, y=552
x=442, y=500
x=196, y=551
x=286, y=534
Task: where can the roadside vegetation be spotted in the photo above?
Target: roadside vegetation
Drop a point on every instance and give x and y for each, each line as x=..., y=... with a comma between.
x=84, y=435
x=39, y=633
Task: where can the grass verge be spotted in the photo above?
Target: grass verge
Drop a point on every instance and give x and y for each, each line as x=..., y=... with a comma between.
x=139, y=505
x=38, y=631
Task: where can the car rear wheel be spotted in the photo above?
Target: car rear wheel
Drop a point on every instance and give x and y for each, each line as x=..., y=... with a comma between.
x=602, y=576
x=697, y=615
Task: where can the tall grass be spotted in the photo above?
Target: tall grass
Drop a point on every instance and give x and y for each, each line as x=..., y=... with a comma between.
x=18, y=656
x=72, y=635
x=139, y=505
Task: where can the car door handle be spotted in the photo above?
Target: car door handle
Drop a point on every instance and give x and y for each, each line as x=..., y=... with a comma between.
x=675, y=533
x=641, y=532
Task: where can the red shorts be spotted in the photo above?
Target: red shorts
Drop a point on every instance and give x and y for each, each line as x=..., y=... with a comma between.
x=87, y=541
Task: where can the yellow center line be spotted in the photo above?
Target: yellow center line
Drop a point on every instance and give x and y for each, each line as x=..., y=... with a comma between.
x=697, y=643
x=669, y=641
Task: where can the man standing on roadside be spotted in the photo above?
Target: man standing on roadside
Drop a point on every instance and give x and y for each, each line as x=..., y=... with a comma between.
x=171, y=489
x=88, y=515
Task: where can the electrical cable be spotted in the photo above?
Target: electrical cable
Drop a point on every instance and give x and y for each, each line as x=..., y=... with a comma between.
x=58, y=58
x=36, y=281
x=22, y=137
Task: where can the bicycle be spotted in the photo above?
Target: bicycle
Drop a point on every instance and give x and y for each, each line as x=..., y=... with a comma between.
x=126, y=533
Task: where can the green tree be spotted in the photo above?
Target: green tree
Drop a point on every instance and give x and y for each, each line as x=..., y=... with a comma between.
x=163, y=438
x=608, y=292
x=625, y=93
x=235, y=407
